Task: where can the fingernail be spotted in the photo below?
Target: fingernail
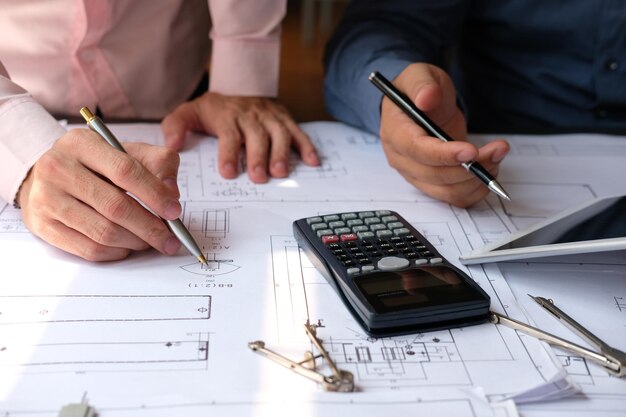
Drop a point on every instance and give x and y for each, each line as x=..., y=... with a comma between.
x=259, y=173
x=313, y=158
x=229, y=170
x=280, y=168
x=465, y=155
x=172, y=245
x=498, y=156
x=173, y=210
x=171, y=184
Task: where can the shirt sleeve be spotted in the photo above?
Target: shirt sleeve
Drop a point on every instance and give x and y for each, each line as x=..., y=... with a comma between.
x=384, y=36
x=26, y=132
x=245, y=58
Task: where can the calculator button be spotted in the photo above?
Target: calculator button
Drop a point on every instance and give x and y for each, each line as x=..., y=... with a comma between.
x=342, y=230
x=436, y=260
x=324, y=232
x=357, y=229
x=331, y=218
x=372, y=220
x=420, y=262
x=396, y=240
x=392, y=263
x=384, y=233
x=336, y=224
x=312, y=220
x=383, y=212
x=334, y=246
x=348, y=263
x=411, y=255
x=367, y=268
x=356, y=222
x=388, y=219
x=348, y=216
x=352, y=271
x=319, y=226
x=376, y=227
x=401, y=231
x=348, y=237
x=365, y=214
x=396, y=225
x=364, y=261
x=330, y=239
x=365, y=235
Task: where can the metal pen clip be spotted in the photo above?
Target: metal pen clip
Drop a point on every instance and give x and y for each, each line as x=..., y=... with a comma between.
x=339, y=381
x=613, y=360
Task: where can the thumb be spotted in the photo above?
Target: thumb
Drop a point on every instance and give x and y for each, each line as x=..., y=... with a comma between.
x=176, y=125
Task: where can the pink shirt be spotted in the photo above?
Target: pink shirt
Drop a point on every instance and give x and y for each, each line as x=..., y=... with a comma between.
x=130, y=58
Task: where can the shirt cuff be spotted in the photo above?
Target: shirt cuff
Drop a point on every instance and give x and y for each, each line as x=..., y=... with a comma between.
x=26, y=132
x=245, y=68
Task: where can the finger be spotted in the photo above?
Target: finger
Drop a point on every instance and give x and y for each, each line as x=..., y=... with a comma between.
x=432, y=151
x=302, y=143
x=162, y=162
x=257, y=148
x=462, y=194
x=120, y=208
x=176, y=124
x=128, y=174
x=94, y=226
x=74, y=242
x=228, y=148
x=280, y=147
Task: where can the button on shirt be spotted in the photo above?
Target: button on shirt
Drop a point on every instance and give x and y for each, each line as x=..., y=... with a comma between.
x=519, y=66
x=129, y=58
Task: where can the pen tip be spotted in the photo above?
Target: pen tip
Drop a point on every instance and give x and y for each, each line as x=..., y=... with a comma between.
x=497, y=188
x=202, y=260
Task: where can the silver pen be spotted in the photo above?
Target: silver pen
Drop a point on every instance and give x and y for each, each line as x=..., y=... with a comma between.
x=176, y=226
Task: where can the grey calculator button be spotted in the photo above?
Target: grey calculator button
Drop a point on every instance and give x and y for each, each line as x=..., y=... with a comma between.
x=420, y=262
x=372, y=220
x=384, y=233
x=335, y=224
x=348, y=216
x=395, y=225
x=331, y=218
x=378, y=226
x=367, y=268
x=365, y=214
x=436, y=260
x=365, y=235
x=392, y=263
x=383, y=212
x=355, y=222
x=313, y=220
x=357, y=229
x=319, y=226
x=352, y=271
x=324, y=232
x=342, y=230
x=401, y=231
x=388, y=219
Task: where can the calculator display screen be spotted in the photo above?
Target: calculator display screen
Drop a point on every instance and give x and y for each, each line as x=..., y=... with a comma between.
x=389, y=291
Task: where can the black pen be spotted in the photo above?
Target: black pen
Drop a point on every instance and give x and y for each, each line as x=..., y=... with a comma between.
x=176, y=226
x=432, y=129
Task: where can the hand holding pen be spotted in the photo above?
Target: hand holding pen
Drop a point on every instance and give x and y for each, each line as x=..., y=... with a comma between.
x=74, y=197
x=425, y=155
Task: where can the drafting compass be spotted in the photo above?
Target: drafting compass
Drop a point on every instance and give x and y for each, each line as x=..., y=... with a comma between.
x=613, y=360
x=339, y=381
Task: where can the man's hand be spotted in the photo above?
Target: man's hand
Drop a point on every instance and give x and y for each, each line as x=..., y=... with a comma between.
x=75, y=197
x=263, y=125
x=426, y=162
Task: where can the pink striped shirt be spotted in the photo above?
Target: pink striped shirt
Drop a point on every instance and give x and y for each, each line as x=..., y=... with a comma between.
x=130, y=58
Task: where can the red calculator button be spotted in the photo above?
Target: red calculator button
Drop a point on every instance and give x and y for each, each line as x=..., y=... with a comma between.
x=348, y=237
x=330, y=239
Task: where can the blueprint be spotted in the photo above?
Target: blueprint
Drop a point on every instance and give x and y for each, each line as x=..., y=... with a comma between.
x=155, y=335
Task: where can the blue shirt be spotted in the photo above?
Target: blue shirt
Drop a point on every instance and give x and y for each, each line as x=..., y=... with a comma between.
x=519, y=66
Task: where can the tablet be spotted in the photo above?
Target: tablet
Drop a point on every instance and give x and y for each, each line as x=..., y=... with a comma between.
x=596, y=227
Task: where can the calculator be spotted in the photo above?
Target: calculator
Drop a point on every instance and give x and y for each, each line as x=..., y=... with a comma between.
x=390, y=277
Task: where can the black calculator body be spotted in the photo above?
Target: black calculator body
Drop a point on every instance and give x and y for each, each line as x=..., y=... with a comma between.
x=389, y=276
